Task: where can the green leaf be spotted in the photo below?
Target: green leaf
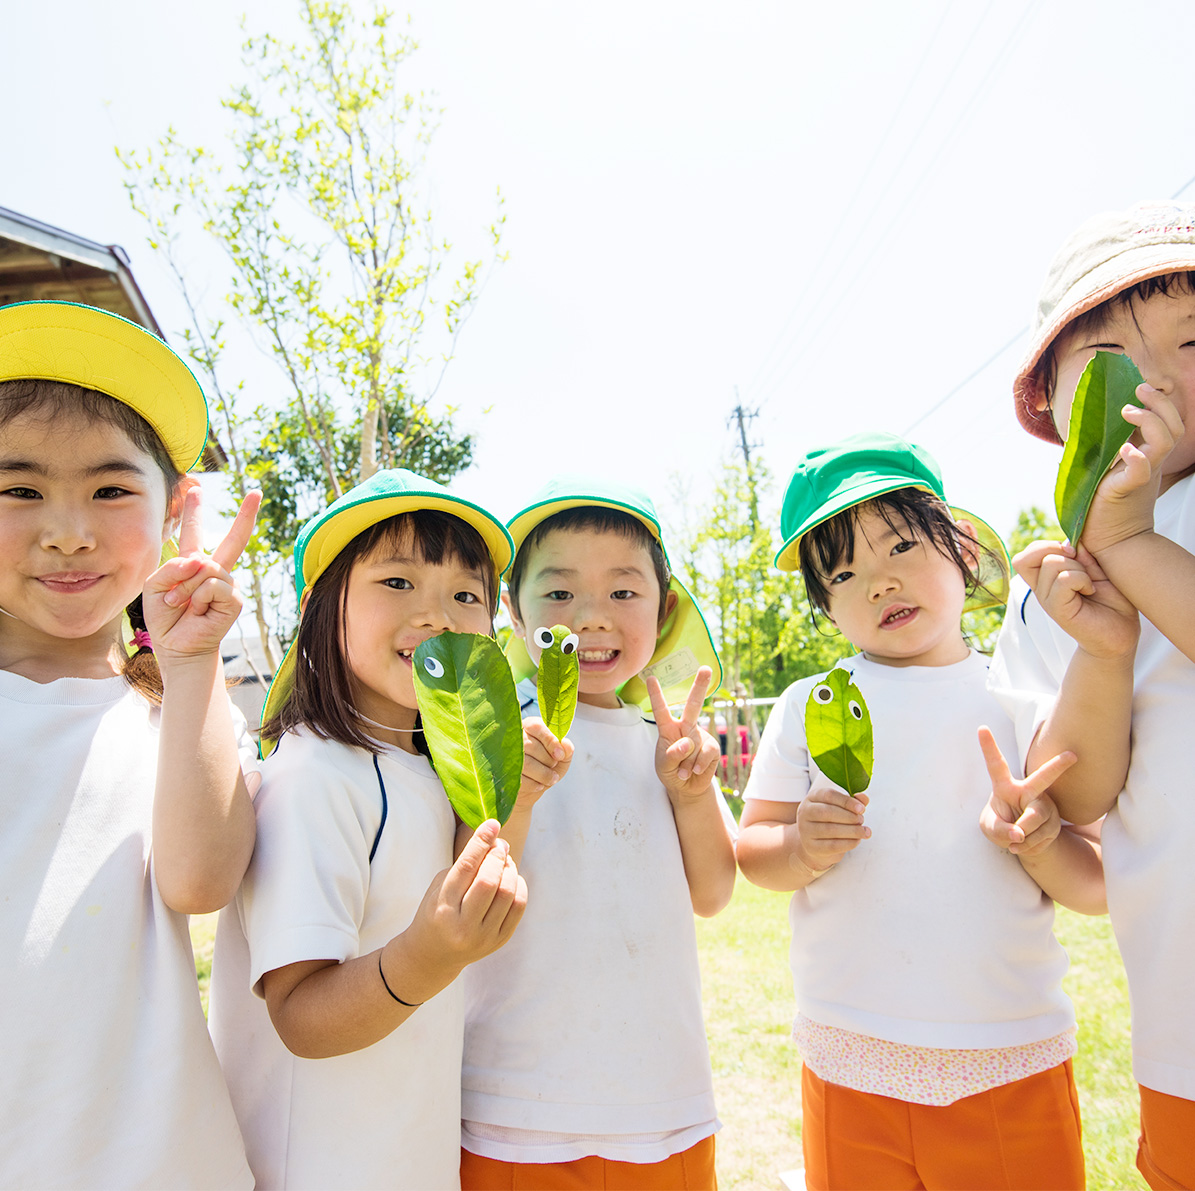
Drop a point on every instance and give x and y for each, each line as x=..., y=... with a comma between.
x=838, y=731
x=1096, y=434
x=471, y=722
x=559, y=677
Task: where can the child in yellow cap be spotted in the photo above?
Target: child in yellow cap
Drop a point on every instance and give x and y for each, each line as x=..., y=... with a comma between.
x=1069, y=663
x=123, y=807
x=934, y=1032
x=585, y=1054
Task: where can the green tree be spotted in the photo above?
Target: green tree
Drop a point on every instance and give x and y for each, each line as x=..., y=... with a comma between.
x=333, y=261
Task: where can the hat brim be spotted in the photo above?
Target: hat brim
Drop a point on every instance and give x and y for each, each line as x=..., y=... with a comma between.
x=523, y=523
x=96, y=349
x=992, y=574
x=683, y=646
x=1099, y=285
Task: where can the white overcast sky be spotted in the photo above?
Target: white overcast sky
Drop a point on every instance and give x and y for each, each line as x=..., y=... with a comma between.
x=841, y=209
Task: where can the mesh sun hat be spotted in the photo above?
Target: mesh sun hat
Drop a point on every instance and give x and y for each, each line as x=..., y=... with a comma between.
x=684, y=643
x=385, y=494
x=832, y=479
x=1107, y=254
x=95, y=349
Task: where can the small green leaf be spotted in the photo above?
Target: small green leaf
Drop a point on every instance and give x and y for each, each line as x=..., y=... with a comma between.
x=559, y=677
x=1096, y=434
x=471, y=722
x=838, y=731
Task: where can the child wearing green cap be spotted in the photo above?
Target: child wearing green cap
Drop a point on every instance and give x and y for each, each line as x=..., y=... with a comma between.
x=123, y=807
x=1069, y=664
x=935, y=1035
x=586, y=1062
x=354, y=919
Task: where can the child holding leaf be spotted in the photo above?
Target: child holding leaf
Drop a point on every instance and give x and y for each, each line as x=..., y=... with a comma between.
x=1069, y=664
x=354, y=919
x=934, y=1031
x=585, y=1054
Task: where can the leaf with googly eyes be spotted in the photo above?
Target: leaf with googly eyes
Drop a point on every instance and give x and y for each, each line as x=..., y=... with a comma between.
x=1096, y=432
x=471, y=722
x=838, y=731
x=559, y=677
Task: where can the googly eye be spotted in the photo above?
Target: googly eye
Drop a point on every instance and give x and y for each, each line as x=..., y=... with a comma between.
x=434, y=667
x=570, y=643
x=855, y=709
x=543, y=638
x=823, y=694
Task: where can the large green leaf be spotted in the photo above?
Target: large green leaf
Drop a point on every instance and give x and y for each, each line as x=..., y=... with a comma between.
x=1096, y=434
x=838, y=731
x=471, y=722
x=559, y=677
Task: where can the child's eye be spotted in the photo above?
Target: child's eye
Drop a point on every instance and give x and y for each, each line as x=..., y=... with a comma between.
x=467, y=597
x=841, y=577
x=901, y=547
x=397, y=583
x=559, y=595
x=20, y=493
x=110, y=492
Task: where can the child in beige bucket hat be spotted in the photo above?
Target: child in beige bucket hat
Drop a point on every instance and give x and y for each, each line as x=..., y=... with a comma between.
x=1068, y=663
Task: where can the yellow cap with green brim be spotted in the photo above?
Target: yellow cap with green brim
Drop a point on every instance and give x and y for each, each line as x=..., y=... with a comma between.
x=96, y=349
x=683, y=644
x=386, y=494
x=832, y=479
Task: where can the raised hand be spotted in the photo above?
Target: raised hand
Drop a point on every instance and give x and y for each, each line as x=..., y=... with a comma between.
x=1074, y=591
x=1124, y=501
x=686, y=755
x=1020, y=816
x=191, y=601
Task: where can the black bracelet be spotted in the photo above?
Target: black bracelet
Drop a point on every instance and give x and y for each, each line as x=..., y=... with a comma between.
x=391, y=991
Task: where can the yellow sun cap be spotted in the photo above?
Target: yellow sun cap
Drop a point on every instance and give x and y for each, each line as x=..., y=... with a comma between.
x=96, y=349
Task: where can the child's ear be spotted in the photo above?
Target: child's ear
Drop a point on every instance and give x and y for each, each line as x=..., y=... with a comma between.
x=968, y=541
x=516, y=623
x=670, y=602
x=1041, y=398
x=174, y=507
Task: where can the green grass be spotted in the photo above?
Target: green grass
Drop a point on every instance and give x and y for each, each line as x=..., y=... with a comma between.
x=749, y=1011
x=757, y=1075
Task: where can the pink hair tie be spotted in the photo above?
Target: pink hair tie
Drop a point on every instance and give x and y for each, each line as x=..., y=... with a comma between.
x=141, y=640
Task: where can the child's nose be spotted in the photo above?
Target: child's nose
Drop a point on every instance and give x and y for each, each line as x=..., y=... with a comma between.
x=883, y=585
x=591, y=614
x=67, y=529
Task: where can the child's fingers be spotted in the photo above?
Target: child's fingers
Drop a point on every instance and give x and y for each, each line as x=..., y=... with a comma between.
x=1044, y=776
x=1028, y=562
x=239, y=533
x=540, y=742
x=216, y=595
x=659, y=709
x=537, y=773
x=856, y=804
x=464, y=868
x=190, y=529
x=170, y=574
x=486, y=884
x=993, y=758
x=183, y=592
x=696, y=700
x=999, y=830
x=505, y=895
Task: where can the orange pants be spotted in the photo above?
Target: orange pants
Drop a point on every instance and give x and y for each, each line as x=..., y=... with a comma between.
x=1025, y=1134
x=1166, y=1151
x=690, y=1170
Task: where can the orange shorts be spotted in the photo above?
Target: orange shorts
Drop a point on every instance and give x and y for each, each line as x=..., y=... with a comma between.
x=690, y=1170
x=1166, y=1151
x=1025, y=1134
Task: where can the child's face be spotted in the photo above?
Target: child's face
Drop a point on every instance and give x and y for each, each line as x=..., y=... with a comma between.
x=394, y=601
x=898, y=600
x=603, y=587
x=1158, y=335
x=83, y=516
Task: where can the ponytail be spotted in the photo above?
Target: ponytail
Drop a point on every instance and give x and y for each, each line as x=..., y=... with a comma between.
x=140, y=668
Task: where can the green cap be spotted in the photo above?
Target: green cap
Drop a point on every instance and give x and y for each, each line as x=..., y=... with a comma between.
x=385, y=494
x=684, y=643
x=832, y=479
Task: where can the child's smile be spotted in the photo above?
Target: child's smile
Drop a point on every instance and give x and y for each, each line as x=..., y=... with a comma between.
x=898, y=600
x=603, y=587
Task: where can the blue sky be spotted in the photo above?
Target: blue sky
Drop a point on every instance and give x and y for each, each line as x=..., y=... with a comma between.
x=843, y=210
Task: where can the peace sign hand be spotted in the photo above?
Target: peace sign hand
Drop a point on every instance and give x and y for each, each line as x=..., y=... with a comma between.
x=1020, y=816
x=191, y=601
x=686, y=755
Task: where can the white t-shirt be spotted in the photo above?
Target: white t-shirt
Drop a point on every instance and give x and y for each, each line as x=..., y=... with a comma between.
x=926, y=934
x=584, y=1033
x=386, y=1116
x=107, y=1074
x=1149, y=835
